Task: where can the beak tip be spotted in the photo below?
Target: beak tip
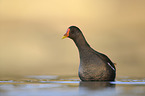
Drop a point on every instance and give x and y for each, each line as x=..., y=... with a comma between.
x=64, y=37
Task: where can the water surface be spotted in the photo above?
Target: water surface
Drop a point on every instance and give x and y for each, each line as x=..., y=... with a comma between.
x=70, y=86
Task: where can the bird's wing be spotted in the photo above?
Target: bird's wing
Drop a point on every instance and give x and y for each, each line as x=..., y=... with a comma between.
x=106, y=60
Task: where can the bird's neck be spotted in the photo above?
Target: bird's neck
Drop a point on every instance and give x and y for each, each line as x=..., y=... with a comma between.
x=81, y=43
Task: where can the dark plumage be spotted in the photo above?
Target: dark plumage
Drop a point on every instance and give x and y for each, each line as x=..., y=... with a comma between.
x=94, y=66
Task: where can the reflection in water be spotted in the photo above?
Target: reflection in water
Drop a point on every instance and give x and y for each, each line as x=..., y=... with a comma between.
x=69, y=85
x=96, y=88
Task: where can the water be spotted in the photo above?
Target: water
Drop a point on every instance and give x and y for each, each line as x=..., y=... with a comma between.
x=70, y=86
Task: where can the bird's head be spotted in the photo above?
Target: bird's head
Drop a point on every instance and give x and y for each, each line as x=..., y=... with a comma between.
x=72, y=32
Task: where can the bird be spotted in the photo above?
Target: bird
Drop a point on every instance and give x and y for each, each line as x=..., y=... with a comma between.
x=94, y=66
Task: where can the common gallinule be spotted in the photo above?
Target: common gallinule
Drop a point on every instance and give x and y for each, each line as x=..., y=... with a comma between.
x=94, y=66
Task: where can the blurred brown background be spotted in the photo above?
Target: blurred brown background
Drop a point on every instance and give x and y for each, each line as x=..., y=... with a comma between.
x=31, y=31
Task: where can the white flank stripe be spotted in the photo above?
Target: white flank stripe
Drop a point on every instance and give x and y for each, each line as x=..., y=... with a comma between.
x=111, y=66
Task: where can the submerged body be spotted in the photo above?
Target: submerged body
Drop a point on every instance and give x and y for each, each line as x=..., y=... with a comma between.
x=94, y=66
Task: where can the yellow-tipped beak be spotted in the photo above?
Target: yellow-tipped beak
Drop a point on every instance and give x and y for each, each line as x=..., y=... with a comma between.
x=66, y=34
x=64, y=37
